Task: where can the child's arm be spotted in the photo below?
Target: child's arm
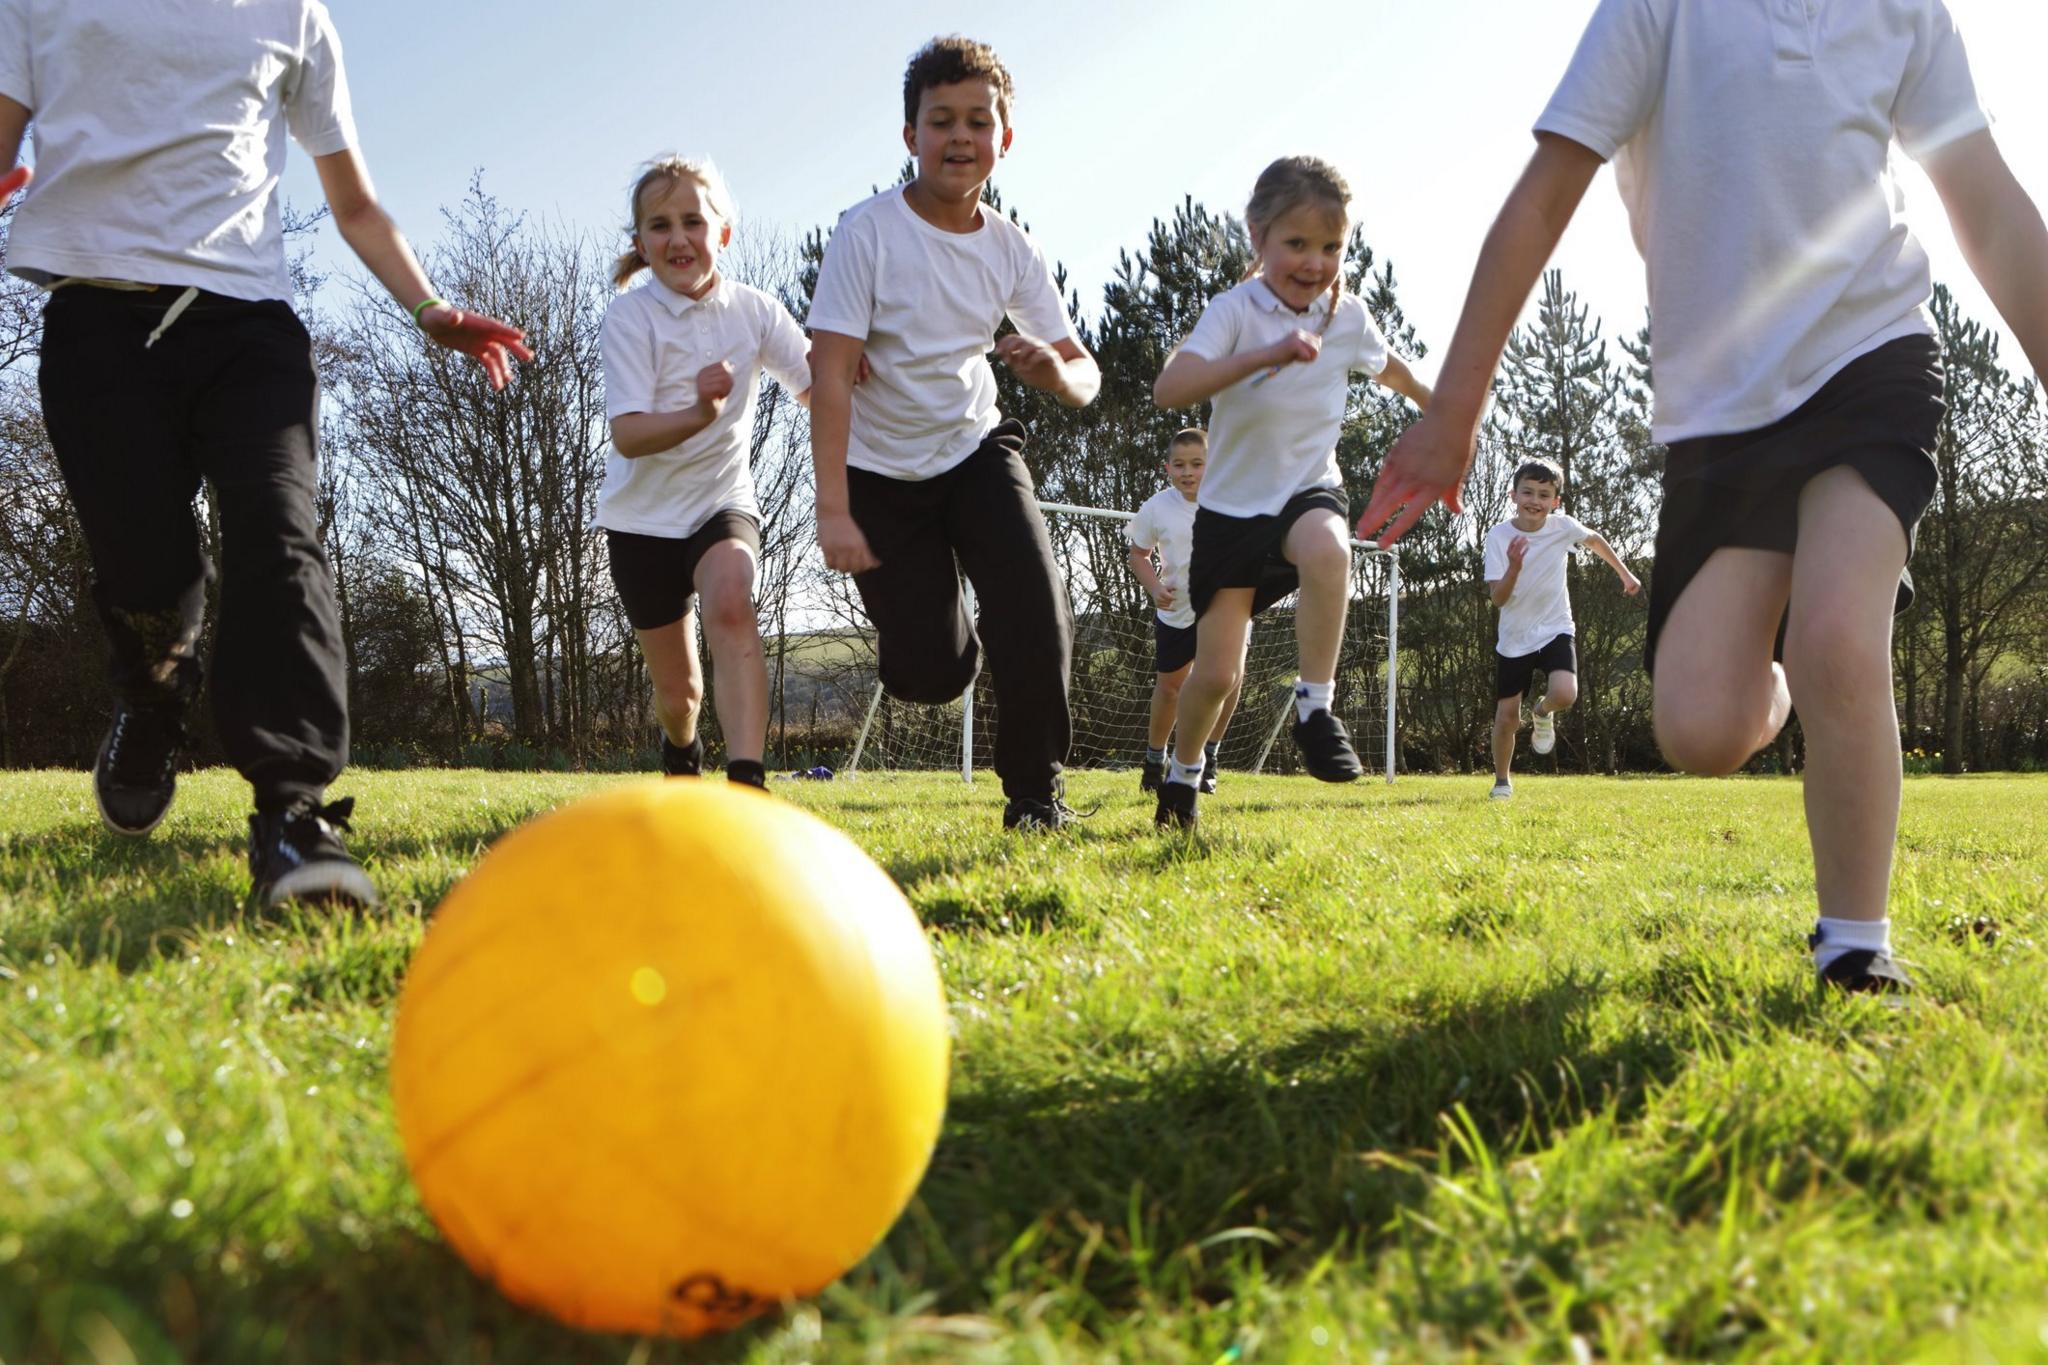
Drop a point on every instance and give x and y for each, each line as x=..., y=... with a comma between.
x=14, y=117
x=1398, y=377
x=1061, y=368
x=835, y=363
x=1502, y=588
x=648, y=433
x=1189, y=379
x=2001, y=235
x=1597, y=543
x=1141, y=568
x=378, y=244
x=1428, y=462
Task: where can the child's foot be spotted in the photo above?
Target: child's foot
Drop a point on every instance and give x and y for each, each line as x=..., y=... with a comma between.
x=1207, y=786
x=1326, y=749
x=1861, y=971
x=1502, y=790
x=682, y=760
x=747, y=772
x=296, y=854
x=136, y=773
x=1176, y=806
x=1543, y=732
x=1152, y=776
x=1049, y=813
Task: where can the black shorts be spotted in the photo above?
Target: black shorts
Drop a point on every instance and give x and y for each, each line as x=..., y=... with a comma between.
x=657, y=575
x=1173, y=647
x=1511, y=676
x=1248, y=552
x=1880, y=416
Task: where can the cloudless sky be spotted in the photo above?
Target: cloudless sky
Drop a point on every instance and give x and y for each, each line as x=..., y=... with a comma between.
x=1121, y=110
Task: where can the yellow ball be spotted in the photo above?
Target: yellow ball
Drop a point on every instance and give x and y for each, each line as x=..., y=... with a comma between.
x=669, y=1056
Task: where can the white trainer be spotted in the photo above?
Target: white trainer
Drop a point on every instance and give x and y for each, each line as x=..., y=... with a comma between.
x=1543, y=733
x=1502, y=790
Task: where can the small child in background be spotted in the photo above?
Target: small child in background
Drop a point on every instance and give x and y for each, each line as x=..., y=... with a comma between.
x=1524, y=568
x=1165, y=526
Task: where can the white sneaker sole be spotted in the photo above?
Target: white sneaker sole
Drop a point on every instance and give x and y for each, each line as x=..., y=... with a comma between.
x=331, y=881
x=1543, y=738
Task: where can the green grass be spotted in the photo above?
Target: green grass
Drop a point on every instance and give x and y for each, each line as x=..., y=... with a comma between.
x=1366, y=1073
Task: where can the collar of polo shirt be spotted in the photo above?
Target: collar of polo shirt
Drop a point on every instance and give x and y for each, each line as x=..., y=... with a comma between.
x=679, y=304
x=1265, y=298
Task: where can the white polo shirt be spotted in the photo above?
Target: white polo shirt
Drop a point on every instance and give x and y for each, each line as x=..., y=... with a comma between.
x=1751, y=142
x=1539, y=609
x=927, y=303
x=653, y=344
x=1271, y=440
x=1166, y=524
x=160, y=135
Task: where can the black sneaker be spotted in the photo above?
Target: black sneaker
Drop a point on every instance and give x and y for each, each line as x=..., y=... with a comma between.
x=136, y=773
x=1207, y=786
x=682, y=761
x=1152, y=776
x=297, y=854
x=1050, y=812
x=746, y=772
x=1863, y=971
x=1176, y=806
x=1326, y=749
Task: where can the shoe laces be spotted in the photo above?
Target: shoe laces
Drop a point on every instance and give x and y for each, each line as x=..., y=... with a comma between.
x=307, y=828
x=142, y=751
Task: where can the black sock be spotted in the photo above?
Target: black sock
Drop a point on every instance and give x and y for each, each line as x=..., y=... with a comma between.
x=682, y=760
x=747, y=770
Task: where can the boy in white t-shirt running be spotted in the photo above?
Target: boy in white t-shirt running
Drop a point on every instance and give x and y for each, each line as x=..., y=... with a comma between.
x=920, y=478
x=1165, y=526
x=1524, y=568
x=1798, y=382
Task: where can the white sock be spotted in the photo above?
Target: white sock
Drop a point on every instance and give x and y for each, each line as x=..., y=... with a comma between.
x=1187, y=774
x=1833, y=937
x=1310, y=698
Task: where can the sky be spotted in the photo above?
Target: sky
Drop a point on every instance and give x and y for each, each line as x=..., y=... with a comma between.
x=1121, y=111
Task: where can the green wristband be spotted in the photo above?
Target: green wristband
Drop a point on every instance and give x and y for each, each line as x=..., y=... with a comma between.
x=423, y=305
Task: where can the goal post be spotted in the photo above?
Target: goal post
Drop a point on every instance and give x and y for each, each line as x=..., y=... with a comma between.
x=1112, y=674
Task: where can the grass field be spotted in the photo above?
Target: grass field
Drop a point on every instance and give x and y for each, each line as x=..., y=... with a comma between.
x=1377, y=1073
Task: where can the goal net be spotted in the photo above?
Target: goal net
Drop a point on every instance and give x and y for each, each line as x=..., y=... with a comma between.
x=1111, y=688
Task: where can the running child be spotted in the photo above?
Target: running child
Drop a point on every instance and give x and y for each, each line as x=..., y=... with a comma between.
x=171, y=357
x=920, y=478
x=682, y=360
x=1165, y=526
x=1524, y=567
x=1798, y=382
x=1275, y=354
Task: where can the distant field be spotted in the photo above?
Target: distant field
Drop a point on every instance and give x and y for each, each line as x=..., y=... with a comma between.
x=1372, y=1073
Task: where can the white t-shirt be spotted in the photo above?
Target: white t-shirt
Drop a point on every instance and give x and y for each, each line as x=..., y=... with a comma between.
x=927, y=303
x=1269, y=441
x=159, y=135
x=1166, y=523
x=1539, y=609
x=1751, y=142
x=653, y=344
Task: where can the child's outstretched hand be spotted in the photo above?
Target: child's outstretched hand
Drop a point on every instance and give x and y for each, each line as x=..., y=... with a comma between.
x=1426, y=465
x=14, y=180
x=714, y=386
x=1036, y=364
x=495, y=344
x=846, y=549
x=1517, y=548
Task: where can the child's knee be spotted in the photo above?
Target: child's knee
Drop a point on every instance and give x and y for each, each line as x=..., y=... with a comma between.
x=1217, y=675
x=1171, y=683
x=1561, y=694
x=1708, y=737
x=679, y=697
x=1324, y=559
x=927, y=678
x=1833, y=662
x=729, y=613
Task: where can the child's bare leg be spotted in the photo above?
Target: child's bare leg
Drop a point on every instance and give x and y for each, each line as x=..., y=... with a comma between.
x=1838, y=661
x=1229, y=704
x=1560, y=690
x=1507, y=720
x=1319, y=547
x=1216, y=673
x=1165, y=706
x=1716, y=696
x=678, y=677
x=725, y=582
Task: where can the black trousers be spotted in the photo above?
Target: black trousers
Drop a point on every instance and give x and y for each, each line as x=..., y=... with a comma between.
x=983, y=513
x=227, y=395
